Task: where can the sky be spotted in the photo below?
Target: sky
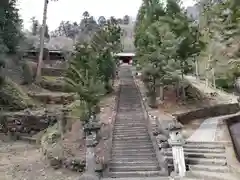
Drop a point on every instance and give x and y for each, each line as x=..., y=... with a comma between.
x=72, y=10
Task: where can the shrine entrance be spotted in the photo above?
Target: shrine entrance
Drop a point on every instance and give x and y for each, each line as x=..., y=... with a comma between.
x=126, y=57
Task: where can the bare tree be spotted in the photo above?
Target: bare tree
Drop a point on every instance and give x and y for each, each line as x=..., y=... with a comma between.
x=39, y=66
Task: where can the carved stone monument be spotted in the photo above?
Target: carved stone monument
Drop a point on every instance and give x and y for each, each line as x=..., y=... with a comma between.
x=176, y=141
x=91, y=129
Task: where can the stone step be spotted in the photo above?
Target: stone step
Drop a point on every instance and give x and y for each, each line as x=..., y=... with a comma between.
x=203, y=150
x=140, y=137
x=130, y=118
x=129, y=107
x=130, y=121
x=208, y=142
x=130, y=130
x=129, y=126
x=146, y=162
x=127, y=136
x=139, y=114
x=142, y=178
x=199, y=155
x=130, y=168
x=134, y=159
x=129, y=155
x=213, y=175
x=206, y=146
x=133, y=146
x=126, y=115
x=130, y=134
x=133, y=151
x=131, y=141
x=211, y=168
x=134, y=174
x=136, y=133
x=204, y=161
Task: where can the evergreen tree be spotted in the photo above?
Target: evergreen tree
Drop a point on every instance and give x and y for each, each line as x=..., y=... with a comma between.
x=166, y=42
x=10, y=25
x=93, y=65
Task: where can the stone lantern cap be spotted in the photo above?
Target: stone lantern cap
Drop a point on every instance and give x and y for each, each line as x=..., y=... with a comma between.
x=65, y=109
x=92, y=127
x=175, y=126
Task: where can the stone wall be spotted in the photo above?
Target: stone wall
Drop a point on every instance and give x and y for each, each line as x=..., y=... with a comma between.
x=26, y=122
x=53, y=97
x=55, y=85
x=205, y=112
x=53, y=72
x=233, y=124
x=47, y=71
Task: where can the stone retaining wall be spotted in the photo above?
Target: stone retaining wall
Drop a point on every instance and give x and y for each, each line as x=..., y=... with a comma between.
x=26, y=122
x=53, y=72
x=233, y=124
x=56, y=86
x=210, y=111
x=53, y=97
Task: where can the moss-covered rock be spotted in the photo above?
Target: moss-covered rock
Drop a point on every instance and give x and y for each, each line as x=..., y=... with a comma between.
x=55, y=84
x=13, y=97
x=53, y=97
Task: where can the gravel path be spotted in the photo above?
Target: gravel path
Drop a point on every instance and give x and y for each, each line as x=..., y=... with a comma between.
x=208, y=129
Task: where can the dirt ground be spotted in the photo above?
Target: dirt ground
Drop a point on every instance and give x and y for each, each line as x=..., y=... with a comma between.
x=74, y=144
x=172, y=104
x=22, y=161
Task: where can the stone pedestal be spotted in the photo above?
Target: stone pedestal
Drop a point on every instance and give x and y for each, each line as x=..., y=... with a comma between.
x=91, y=129
x=90, y=153
x=176, y=141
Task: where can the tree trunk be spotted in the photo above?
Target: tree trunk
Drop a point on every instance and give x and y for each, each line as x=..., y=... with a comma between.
x=213, y=77
x=207, y=68
x=196, y=68
x=177, y=87
x=161, y=93
x=40, y=59
x=153, y=96
x=183, y=88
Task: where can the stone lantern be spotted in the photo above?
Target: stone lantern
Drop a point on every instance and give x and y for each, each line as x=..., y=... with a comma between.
x=176, y=141
x=91, y=130
x=237, y=89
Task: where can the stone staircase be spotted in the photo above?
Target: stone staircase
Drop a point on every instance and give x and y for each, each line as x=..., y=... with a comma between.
x=204, y=160
x=133, y=154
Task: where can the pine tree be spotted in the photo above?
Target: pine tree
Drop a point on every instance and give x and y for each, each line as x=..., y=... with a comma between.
x=10, y=25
